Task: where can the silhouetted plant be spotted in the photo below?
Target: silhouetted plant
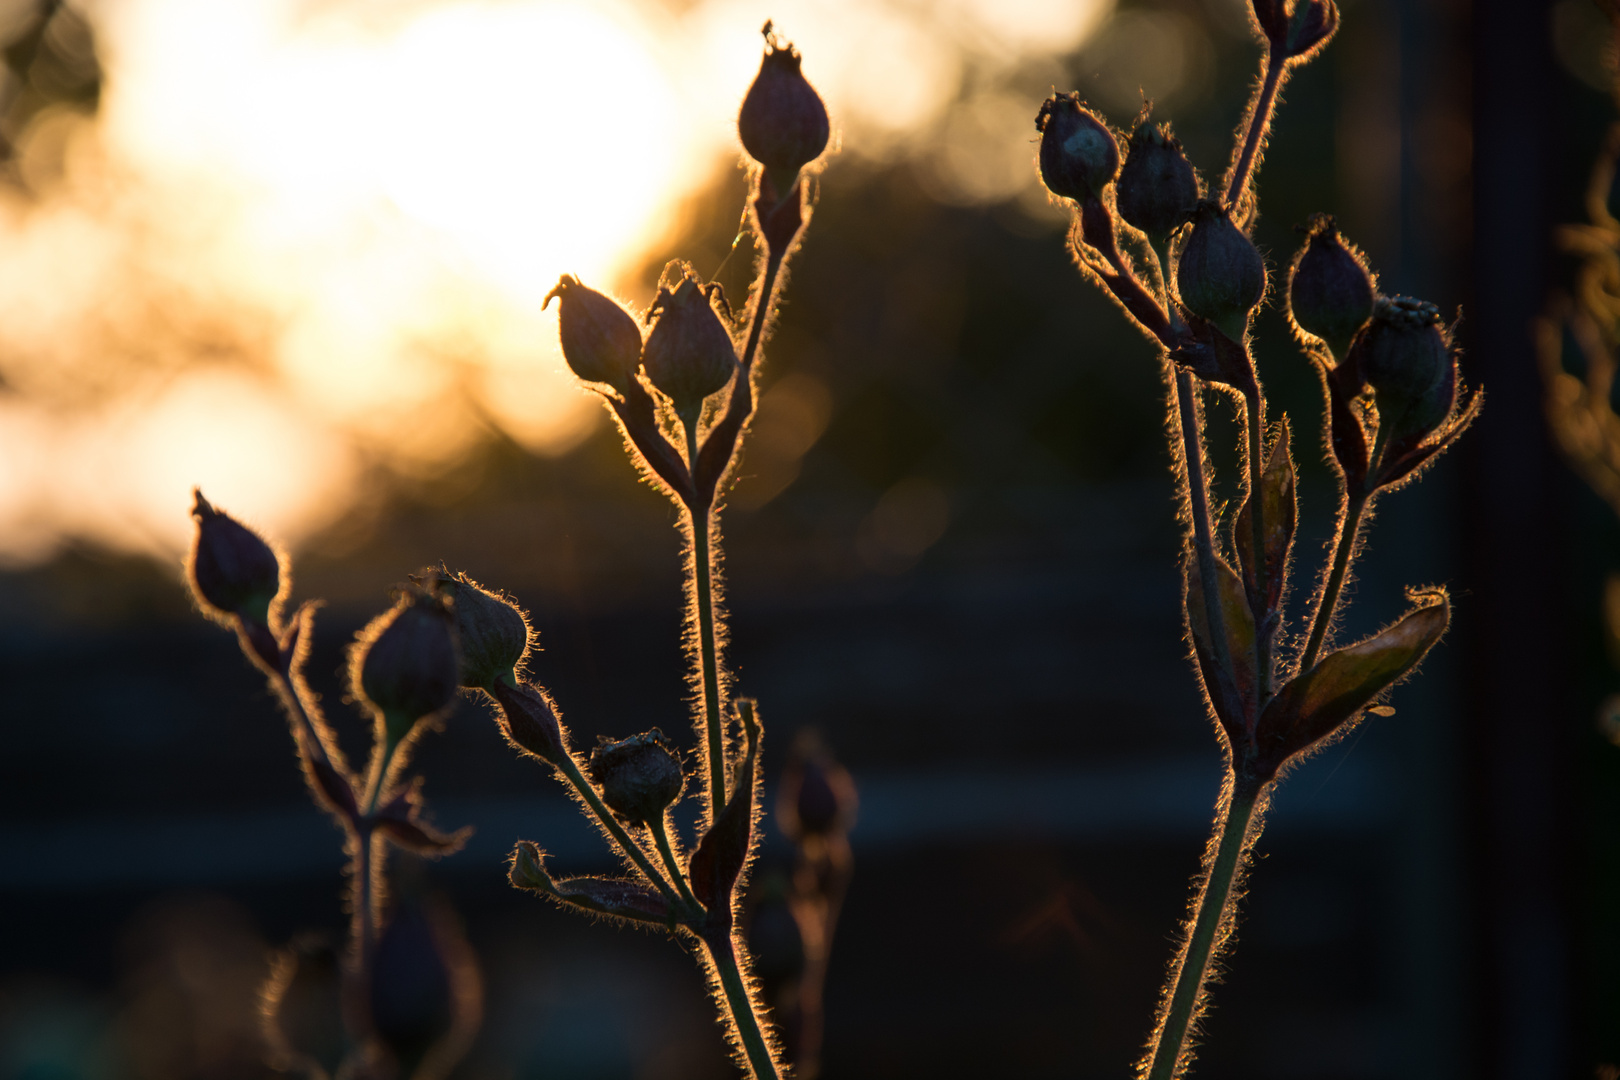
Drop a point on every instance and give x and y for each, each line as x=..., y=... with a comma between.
x=407, y=999
x=1180, y=262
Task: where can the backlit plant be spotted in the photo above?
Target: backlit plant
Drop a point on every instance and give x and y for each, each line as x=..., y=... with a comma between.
x=1179, y=260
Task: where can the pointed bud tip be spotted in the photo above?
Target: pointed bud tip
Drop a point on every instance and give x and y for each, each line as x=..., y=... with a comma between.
x=232, y=571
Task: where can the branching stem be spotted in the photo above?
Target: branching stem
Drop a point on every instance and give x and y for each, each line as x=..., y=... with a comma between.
x=700, y=516
x=1183, y=395
x=666, y=851
x=1344, y=550
x=632, y=850
x=1186, y=998
x=741, y=1005
x=1259, y=122
x=1253, y=404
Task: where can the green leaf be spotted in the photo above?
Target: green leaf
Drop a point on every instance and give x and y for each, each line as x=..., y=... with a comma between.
x=1281, y=515
x=1231, y=687
x=1320, y=701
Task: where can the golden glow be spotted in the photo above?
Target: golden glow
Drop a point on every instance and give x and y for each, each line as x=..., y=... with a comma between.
x=302, y=241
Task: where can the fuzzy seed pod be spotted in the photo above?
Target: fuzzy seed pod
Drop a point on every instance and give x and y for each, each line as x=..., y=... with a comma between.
x=1296, y=30
x=231, y=569
x=1330, y=290
x=783, y=123
x=1220, y=275
x=492, y=631
x=1157, y=185
x=689, y=353
x=1079, y=156
x=405, y=663
x=639, y=776
x=1405, y=355
x=600, y=340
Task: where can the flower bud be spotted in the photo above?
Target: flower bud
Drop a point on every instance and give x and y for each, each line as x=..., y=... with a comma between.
x=231, y=569
x=1079, y=156
x=529, y=720
x=1405, y=355
x=527, y=869
x=783, y=123
x=1330, y=291
x=1296, y=30
x=404, y=664
x=639, y=776
x=600, y=340
x=817, y=795
x=1157, y=185
x=491, y=629
x=425, y=994
x=689, y=353
x=1220, y=274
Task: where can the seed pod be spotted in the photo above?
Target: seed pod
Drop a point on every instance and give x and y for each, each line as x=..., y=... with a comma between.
x=639, y=776
x=405, y=662
x=600, y=340
x=1220, y=275
x=689, y=353
x=492, y=632
x=1330, y=290
x=1405, y=355
x=529, y=720
x=1157, y=185
x=1079, y=156
x=1295, y=31
x=425, y=994
x=783, y=123
x=231, y=569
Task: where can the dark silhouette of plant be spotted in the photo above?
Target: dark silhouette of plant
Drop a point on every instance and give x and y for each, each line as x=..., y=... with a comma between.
x=682, y=429
x=1179, y=261
x=409, y=993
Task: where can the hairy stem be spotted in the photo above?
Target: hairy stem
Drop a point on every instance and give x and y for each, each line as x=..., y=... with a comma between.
x=1182, y=393
x=632, y=850
x=741, y=1006
x=1253, y=404
x=1186, y=997
x=708, y=653
x=1343, y=550
x=1259, y=122
x=379, y=771
x=666, y=851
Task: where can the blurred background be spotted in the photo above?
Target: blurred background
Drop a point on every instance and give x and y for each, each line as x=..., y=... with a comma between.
x=294, y=251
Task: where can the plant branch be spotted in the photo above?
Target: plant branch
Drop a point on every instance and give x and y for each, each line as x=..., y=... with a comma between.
x=1259, y=121
x=1253, y=406
x=701, y=517
x=741, y=1005
x=1210, y=927
x=666, y=851
x=632, y=850
x=1344, y=550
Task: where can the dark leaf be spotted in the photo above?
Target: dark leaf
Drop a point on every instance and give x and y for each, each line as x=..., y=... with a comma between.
x=619, y=897
x=1397, y=468
x=724, y=850
x=1232, y=688
x=1280, y=518
x=1349, y=435
x=1318, y=702
x=400, y=819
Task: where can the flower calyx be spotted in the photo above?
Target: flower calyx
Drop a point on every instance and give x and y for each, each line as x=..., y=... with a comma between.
x=600, y=340
x=1079, y=156
x=1157, y=186
x=1220, y=274
x=783, y=122
x=639, y=776
x=1330, y=290
x=1296, y=30
x=689, y=354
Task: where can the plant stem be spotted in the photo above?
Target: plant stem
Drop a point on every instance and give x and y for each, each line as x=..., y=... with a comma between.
x=1182, y=393
x=631, y=849
x=1206, y=937
x=740, y=1005
x=1259, y=121
x=708, y=653
x=1344, y=549
x=379, y=775
x=666, y=852
x=1253, y=404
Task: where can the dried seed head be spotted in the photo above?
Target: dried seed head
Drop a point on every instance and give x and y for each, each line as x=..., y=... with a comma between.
x=600, y=340
x=232, y=571
x=1157, y=185
x=1220, y=275
x=405, y=663
x=783, y=123
x=689, y=353
x=1330, y=290
x=639, y=776
x=1079, y=156
x=1404, y=354
x=492, y=632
